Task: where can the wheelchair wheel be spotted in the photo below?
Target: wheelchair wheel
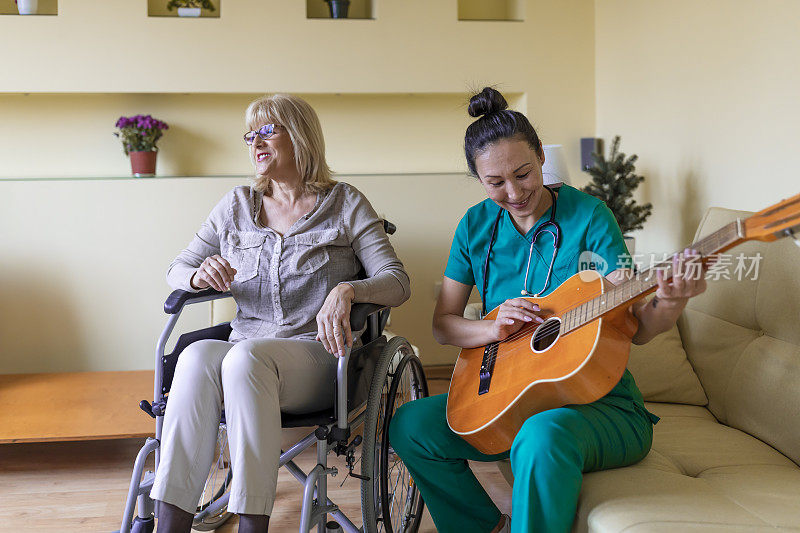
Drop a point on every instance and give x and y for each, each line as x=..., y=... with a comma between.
x=217, y=483
x=390, y=501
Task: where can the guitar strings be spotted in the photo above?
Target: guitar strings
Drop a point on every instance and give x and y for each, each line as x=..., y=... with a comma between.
x=552, y=328
x=555, y=326
x=699, y=246
x=644, y=274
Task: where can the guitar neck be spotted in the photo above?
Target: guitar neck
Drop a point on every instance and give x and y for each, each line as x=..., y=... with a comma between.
x=644, y=282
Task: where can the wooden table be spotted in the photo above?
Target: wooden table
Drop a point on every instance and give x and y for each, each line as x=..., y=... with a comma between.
x=74, y=406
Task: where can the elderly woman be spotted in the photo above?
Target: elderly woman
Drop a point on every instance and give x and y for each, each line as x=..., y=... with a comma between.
x=289, y=248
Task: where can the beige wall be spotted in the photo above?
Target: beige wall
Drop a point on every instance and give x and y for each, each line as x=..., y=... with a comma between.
x=706, y=94
x=703, y=92
x=82, y=261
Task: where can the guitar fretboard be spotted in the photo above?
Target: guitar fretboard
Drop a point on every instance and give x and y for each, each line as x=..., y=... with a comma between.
x=645, y=281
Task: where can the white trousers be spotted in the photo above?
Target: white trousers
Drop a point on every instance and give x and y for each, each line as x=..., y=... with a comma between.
x=255, y=379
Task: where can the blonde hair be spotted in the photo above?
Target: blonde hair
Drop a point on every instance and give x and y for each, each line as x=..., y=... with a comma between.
x=301, y=122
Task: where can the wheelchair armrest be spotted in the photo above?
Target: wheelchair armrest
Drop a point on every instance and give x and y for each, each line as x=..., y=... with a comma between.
x=178, y=298
x=359, y=314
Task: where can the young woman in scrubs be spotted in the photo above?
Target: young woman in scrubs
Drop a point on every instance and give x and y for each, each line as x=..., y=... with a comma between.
x=553, y=448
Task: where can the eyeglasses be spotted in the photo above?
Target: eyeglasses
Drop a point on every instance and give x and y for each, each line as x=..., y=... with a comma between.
x=265, y=132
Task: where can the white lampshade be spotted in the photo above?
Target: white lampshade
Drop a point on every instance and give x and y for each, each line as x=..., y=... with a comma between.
x=554, y=170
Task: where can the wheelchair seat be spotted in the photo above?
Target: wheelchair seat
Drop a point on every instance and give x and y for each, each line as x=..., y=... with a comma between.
x=360, y=365
x=373, y=381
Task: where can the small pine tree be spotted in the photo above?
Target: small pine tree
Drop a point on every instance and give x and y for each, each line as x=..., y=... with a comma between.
x=613, y=181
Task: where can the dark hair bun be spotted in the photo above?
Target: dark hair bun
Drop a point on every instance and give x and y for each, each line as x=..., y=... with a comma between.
x=487, y=101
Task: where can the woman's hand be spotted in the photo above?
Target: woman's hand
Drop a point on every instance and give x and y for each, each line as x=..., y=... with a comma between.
x=660, y=314
x=333, y=320
x=215, y=272
x=688, y=280
x=512, y=315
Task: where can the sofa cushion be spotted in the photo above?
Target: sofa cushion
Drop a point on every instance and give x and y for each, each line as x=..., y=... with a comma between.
x=699, y=476
x=763, y=394
x=692, y=439
x=713, y=346
x=643, y=499
x=663, y=373
x=743, y=340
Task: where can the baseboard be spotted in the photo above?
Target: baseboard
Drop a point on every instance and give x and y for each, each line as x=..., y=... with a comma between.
x=444, y=372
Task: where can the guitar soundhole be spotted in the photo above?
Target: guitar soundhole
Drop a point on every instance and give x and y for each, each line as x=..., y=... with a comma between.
x=546, y=334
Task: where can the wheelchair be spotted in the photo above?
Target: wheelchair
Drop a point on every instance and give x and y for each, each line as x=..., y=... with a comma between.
x=372, y=381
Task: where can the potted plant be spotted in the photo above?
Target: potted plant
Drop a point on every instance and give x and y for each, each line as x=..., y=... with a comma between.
x=27, y=7
x=139, y=135
x=338, y=8
x=190, y=8
x=613, y=181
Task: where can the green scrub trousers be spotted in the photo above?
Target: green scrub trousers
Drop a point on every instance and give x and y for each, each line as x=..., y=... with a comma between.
x=548, y=458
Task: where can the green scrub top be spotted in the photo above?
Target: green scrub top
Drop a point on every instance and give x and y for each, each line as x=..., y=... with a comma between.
x=590, y=238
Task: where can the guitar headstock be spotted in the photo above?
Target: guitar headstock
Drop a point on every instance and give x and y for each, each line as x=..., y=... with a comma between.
x=773, y=222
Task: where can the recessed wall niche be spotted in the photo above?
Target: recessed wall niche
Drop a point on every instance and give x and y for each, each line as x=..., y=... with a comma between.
x=364, y=133
x=159, y=8
x=29, y=7
x=509, y=10
x=357, y=9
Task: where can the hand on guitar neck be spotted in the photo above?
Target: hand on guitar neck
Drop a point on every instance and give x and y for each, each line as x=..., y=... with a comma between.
x=673, y=293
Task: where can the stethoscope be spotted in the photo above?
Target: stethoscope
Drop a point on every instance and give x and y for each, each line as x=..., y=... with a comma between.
x=549, y=226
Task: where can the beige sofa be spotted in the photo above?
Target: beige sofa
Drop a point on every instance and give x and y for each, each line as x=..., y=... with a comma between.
x=726, y=384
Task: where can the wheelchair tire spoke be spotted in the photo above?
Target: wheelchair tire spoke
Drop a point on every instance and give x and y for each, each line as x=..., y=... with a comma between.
x=216, y=485
x=391, y=502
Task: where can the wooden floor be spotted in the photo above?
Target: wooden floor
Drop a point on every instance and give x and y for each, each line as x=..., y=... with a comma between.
x=81, y=486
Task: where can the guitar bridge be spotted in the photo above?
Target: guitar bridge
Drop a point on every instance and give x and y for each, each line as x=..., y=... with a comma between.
x=487, y=367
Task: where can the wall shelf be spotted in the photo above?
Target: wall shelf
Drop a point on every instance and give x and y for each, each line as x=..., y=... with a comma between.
x=496, y=10
x=364, y=133
x=70, y=54
x=358, y=10
x=45, y=7
x=158, y=8
x=114, y=178
x=344, y=177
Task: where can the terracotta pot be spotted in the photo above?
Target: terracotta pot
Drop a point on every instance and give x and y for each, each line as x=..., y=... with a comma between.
x=143, y=163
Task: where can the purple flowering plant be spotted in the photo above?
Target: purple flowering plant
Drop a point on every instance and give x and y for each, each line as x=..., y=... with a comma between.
x=140, y=133
x=204, y=4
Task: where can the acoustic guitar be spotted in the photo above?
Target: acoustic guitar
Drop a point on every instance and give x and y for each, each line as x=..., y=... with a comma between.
x=580, y=351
